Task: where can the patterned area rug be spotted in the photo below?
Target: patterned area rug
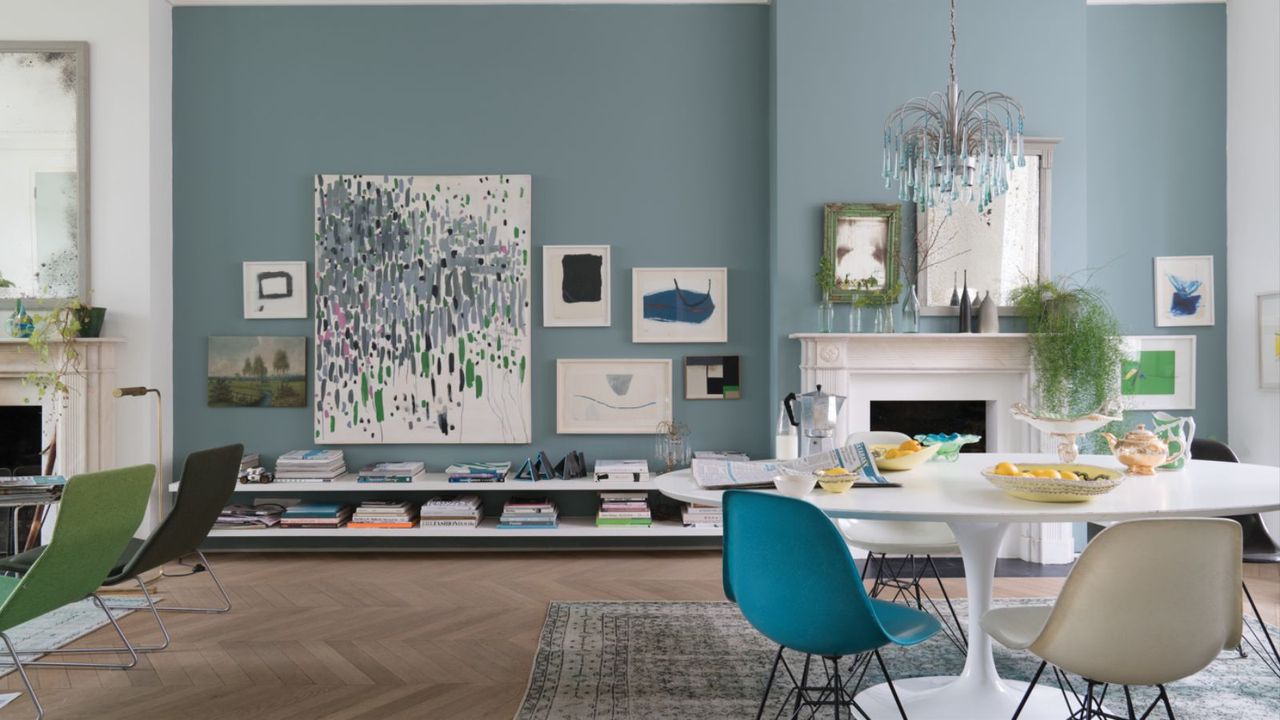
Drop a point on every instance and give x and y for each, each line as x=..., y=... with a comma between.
x=65, y=625
x=664, y=661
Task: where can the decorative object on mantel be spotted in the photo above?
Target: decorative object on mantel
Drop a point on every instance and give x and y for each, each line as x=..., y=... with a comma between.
x=953, y=147
x=860, y=240
x=20, y=323
x=860, y=299
x=955, y=290
x=1067, y=429
x=1184, y=291
x=988, y=315
x=966, y=308
x=826, y=279
x=930, y=246
x=672, y=445
x=90, y=319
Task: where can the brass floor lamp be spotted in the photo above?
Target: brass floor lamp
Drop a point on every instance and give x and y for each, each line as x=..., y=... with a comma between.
x=161, y=489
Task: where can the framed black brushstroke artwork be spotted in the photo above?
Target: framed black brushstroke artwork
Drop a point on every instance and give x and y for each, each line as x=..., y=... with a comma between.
x=575, y=286
x=274, y=290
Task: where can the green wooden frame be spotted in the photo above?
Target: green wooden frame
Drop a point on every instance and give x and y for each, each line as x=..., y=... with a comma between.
x=832, y=213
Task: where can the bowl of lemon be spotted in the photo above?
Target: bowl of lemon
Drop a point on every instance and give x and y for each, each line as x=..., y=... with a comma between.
x=1056, y=483
x=836, y=479
x=907, y=455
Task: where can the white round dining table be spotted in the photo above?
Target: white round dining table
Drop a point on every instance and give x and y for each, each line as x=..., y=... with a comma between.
x=979, y=513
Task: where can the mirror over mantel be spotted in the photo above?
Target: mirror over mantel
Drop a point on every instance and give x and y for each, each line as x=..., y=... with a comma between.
x=44, y=178
x=1002, y=248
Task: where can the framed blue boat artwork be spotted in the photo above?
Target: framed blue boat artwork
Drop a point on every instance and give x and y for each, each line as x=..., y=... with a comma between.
x=1184, y=291
x=679, y=305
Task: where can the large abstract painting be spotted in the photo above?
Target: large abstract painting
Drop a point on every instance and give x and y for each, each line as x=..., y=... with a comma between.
x=422, y=309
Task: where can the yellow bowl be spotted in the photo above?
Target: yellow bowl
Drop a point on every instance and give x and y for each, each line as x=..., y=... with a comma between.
x=836, y=483
x=903, y=462
x=1057, y=491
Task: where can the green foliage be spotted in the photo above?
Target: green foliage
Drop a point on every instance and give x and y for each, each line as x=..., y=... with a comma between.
x=826, y=277
x=60, y=325
x=1076, y=346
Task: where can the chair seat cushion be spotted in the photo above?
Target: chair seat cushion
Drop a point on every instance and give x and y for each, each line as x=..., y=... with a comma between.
x=905, y=625
x=23, y=561
x=900, y=538
x=1017, y=628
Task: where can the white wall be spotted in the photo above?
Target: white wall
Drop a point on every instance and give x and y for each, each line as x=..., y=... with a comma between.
x=1253, y=218
x=130, y=193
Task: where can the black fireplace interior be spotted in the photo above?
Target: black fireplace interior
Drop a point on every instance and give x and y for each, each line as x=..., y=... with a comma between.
x=921, y=417
x=20, y=427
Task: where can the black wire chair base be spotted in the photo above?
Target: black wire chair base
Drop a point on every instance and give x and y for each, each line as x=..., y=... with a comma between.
x=805, y=699
x=1259, y=639
x=903, y=581
x=1090, y=704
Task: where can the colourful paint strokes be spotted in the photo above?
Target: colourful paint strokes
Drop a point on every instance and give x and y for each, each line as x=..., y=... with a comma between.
x=422, y=309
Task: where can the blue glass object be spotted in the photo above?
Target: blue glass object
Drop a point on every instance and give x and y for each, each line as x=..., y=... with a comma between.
x=950, y=442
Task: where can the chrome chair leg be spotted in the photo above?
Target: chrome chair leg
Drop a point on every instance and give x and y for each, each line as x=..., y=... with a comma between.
x=128, y=648
x=22, y=672
x=151, y=605
x=201, y=566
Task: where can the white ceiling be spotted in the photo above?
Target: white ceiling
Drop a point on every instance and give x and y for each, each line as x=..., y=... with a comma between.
x=586, y=2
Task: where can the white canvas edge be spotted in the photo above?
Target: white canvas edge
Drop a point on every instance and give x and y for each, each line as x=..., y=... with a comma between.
x=1262, y=385
x=248, y=302
x=1184, y=346
x=637, y=306
x=606, y=291
x=1212, y=305
x=565, y=428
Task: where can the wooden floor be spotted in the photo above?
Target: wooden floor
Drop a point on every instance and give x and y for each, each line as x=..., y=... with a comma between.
x=385, y=635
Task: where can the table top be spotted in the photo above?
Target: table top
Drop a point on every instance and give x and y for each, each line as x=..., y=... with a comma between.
x=938, y=491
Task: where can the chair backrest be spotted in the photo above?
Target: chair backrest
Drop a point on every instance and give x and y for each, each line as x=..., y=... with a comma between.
x=877, y=437
x=97, y=516
x=1205, y=449
x=208, y=479
x=792, y=576
x=1148, y=602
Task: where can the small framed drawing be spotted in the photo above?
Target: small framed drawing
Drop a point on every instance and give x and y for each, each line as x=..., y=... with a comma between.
x=861, y=241
x=1159, y=372
x=712, y=377
x=1184, y=290
x=275, y=290
x=1269, y=341
x=575, y=286
x=679, y=305
x=612, y=397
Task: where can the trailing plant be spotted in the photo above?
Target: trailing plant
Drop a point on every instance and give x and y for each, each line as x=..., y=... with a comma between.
x=826, y=277
x=1076, y=347
x=60, y=326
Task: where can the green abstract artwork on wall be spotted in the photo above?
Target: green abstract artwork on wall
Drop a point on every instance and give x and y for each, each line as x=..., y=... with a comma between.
x=1153, y=373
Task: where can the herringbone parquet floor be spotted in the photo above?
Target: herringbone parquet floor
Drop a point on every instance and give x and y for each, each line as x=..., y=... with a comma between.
x=382, y=635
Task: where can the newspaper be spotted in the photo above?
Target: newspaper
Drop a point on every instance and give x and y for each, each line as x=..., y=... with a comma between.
x=726, y=475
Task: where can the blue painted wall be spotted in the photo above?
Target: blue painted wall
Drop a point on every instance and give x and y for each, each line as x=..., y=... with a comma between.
x=643, y=128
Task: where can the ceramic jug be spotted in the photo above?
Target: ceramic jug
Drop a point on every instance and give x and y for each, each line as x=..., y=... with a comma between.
x=1177, y=433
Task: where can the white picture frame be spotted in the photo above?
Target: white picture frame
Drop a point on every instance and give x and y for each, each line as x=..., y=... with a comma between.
x=1269, y=341
x=612, y=396
x=1149, y=370
x=576, y=293
x=1184, y=292
x=275, y=290
x=669, y=305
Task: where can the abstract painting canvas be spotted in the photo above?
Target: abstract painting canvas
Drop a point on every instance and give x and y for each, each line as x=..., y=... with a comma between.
x=257, y=372
x=1269, y=341
x=422, y=309
x=712, y=377
x=575, y=286
x=679, y=305
x=1184, y=290
x=275, y=290
x=612, y=397
x=1159, y=372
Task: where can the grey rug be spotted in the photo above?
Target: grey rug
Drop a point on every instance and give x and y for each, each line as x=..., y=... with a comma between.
x=66, y=625
x=666, y=661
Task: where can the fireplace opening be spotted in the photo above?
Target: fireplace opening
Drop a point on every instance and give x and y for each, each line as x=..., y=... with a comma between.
x=20, y=431
x=921, y=417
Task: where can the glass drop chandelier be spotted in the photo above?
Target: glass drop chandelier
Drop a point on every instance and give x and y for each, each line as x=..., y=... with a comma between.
x=953, y=146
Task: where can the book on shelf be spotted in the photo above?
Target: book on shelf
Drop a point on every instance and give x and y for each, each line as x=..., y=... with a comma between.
x=384, y=514
x=478, y=472
x=528, y=513
x=725, y=455
x=34, y=489
x=624, y=470
x=394, y=472
x=624, y=508
x=250, y=460
x=316, y=515
x=462, y=511
x=249, y=517
x=310, y=466
x=704, y=516
x=441, y=522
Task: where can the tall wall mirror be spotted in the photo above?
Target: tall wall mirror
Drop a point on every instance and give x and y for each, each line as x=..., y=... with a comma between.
x=1002, y=248
x=44, y=178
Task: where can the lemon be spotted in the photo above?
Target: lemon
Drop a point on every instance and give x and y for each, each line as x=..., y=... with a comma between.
x=1068, y=475
x=1007, y=468
x=909, y=446
x=1049, y=473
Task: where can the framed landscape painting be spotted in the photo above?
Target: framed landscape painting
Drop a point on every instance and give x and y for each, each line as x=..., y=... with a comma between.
x=680, y=305
x=612, y=397
x=257, y=372
x=1184, y=291
x=275, y=290
x=575, y=286
x=1159, y=372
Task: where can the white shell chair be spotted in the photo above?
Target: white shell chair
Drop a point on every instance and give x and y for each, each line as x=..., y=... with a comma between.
x=915, y=542
x=1147, y=603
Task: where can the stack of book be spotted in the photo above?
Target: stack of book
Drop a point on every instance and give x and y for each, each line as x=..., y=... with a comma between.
x=529, y=514
x=624, y=508
x=316, y=515
x=394, y=472
x=385, y=514
x=626, y=470
x=248, y=461
x=702, y=516
x=310, y=466
x=464, y=511
x=478, y=472
x=31, y=489
x=248, y=517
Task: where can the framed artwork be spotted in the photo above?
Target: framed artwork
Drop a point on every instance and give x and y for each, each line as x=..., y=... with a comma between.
x=612, y=397
x=1269, y=341
x=1159, y=372
x=575, y=286
x=861, y=239
x=1184, y=290
x=712, y=377
x=257, y=372
x=275, y=290
x=422, y=309
x=679, y=305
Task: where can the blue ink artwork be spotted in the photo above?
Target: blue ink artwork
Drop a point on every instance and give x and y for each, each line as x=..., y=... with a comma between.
x=1185, y=301
x=679, y=305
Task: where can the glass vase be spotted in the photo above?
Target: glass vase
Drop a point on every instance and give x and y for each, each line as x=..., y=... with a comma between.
x=855, y=318
x=826, y=316
x=910, y=311
x=884, y=318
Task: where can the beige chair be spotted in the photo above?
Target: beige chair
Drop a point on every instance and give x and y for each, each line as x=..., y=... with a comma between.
x=1148, y=602
x=912, y=545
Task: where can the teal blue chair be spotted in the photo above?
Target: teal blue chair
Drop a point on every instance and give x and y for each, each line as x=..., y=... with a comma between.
x=792, y=576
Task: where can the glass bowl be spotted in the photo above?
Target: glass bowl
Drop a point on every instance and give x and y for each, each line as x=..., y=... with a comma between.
x=949, y=444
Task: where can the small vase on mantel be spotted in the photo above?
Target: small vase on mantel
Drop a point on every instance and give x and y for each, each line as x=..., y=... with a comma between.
x=20, y=323
x=966, y=308
x=988, y=315
x=910, y=310
x=827, y=315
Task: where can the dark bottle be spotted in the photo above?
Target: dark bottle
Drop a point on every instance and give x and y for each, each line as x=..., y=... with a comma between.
x=966, y=307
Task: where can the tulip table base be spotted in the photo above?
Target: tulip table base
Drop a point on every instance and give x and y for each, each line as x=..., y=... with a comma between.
x=978, y=692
